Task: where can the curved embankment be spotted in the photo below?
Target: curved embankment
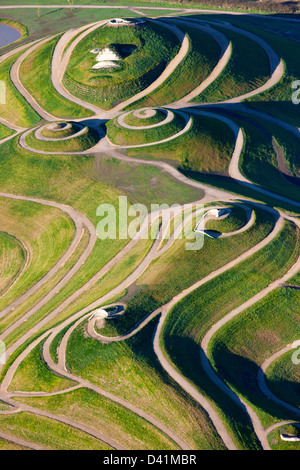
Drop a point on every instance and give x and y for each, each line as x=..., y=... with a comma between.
x=15, y=78
x=61, y=60
x=24, y=266
x=164, y=311
x=225, y=54
x=23, y=144
x=262, y=383
x=185, y=384
x=205, y=342
x=183, y=39
x=79, y=221
x=186, y=128
x=275, y=63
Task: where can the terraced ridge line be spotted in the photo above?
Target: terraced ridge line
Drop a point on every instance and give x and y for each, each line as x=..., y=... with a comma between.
x=79, y=221
x=15, y=78
x=262, y=383
x=26, y=251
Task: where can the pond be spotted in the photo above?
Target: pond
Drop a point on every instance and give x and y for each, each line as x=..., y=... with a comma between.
x=8, y=35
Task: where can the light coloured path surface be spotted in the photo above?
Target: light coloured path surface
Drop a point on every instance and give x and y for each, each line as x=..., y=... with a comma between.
x=168, y=367
x=15, y=78
x=207, y=338
x=80, y=221
x=60, y=61
x=24, y=266
x=184, y=49
x=210, y=194
x=39, y=134
x=21, y=442
x=122, y=117
x=25, y=146
x=226, y=51
x=276, y=64
x=187, y=126
x=74, y=424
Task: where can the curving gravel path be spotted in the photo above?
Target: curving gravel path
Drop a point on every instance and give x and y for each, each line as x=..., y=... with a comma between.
x=59, y=64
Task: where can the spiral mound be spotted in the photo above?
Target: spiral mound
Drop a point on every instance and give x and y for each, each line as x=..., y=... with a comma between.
x=61, y=137
x=147, y=126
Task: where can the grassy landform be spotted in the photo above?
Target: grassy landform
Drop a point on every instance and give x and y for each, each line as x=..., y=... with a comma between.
x=191, y=318
x=235, y=220
x=239, y=76
x=154, y=46
x=16, y=110
x=41, y=228
x=33, y=375
x=63, y=129
x=277, y=443
x=48, y=21
x=50, y=179
x=35, y=74
x=202, y=57
x=134, y=362
x=252, y=337
x=118, y=423
x=12, y=258
x=49, y=433
x=80, y=143
x=132, y=120
x=120, y=135
x=278, y=100
x=207, y=147
x=283, y=376
x=160, y=282
x=5, y=131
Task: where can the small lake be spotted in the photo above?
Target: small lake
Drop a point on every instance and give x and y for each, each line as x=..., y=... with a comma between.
x=8, y=35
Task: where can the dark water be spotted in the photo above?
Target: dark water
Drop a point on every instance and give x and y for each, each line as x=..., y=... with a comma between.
x=8, y=35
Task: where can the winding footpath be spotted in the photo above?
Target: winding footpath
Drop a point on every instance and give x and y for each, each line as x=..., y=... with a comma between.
x=184, y=106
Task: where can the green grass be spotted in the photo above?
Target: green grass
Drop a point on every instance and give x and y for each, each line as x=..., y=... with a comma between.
x=115, y=421
x=131, y=370
x=33, y=375
x=207, y=146
x=277, y=443
x=155, y=47
x=79, y=143
x=283, y=376
x=122, y=136
x=239, y=348
x=61, y=133
x=16, y=110
x=159, y=116
x=192, y=317
x=233, y=221
x=50, y=21
x=278, y=100
x=77, y=181
x=202, y=57
x=160, y=282
x=12, y=256
x=49, y=433
x=42, y=227
x=35, y=74
x=239, y=76
x=5, y=131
